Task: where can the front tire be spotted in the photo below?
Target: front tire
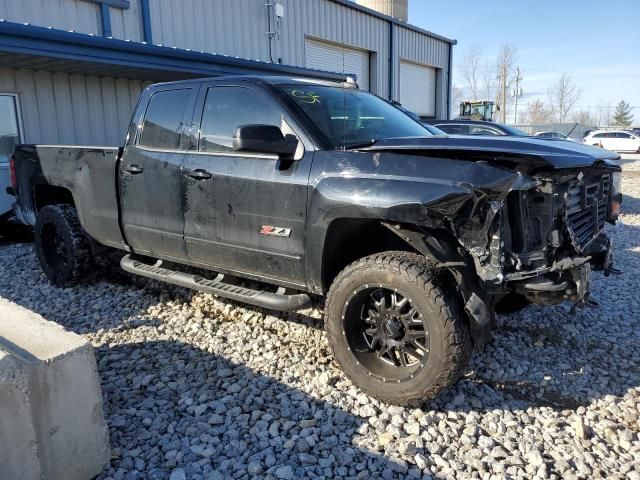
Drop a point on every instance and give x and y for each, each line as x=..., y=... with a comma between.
x=397, y=327
x=62, y=247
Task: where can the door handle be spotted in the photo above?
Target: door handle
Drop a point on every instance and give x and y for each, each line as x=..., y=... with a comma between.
x=133, y=169
x=199, y=174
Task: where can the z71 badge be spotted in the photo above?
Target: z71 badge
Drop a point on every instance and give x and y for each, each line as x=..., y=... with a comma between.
x=276, y=231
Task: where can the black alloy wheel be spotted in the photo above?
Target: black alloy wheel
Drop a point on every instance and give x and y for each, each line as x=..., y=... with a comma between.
x=386, y=332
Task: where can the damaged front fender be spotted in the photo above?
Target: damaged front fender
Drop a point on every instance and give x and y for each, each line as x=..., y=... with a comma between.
x=459, y=197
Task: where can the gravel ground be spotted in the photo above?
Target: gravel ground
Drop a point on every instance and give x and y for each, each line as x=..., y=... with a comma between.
x=630, y=162
x=199, y=388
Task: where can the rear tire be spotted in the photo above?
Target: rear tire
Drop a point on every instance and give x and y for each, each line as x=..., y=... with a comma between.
x=62, y=247
x=416, y=342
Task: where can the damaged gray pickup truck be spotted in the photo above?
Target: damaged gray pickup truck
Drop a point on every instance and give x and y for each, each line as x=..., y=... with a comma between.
x=287, y=188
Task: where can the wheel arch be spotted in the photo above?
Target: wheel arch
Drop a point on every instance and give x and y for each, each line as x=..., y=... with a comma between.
x=46, y=194
x=343, y=245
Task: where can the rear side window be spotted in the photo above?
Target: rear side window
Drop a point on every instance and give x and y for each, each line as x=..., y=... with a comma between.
x=623, y=135
x=453, y=129
x=227, y=108
x=164, y=118
x=481, y=130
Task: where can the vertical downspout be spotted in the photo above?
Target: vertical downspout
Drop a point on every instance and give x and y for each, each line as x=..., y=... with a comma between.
x=391, y=57
x=450, y=78
x=105, y=19
x=146, y=21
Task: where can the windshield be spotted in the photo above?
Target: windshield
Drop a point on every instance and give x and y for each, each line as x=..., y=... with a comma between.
x=349, y=118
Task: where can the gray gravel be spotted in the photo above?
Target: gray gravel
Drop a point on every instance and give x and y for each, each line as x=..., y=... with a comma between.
x=198, y=388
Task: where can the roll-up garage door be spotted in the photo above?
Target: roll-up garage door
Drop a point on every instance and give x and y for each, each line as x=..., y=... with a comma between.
x=418, y=88
x=337, y=58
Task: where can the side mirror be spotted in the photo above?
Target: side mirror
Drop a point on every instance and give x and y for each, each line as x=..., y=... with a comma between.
x=264, y=139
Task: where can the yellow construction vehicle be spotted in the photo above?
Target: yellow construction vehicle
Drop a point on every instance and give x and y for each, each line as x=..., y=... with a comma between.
x=481, y=110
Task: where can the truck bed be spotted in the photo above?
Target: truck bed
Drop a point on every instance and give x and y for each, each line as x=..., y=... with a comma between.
x=88, y=172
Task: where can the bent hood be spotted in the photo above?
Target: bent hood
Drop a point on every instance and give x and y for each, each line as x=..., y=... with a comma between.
x=524, y=153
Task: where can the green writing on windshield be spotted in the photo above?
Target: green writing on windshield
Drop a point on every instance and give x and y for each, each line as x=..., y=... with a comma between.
x=306, y=97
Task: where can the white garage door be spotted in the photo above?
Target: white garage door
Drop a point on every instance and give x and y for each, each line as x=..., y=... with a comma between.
x=418, y=88
x=336, y=58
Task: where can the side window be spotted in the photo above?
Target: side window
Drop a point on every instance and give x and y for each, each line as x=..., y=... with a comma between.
x=599, y=135
x=623, y=135
x=164, y=118
x=227, y=108
x=481, y=130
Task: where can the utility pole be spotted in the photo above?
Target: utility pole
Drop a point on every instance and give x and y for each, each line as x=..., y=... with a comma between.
x=504, y=94
x=517, y=93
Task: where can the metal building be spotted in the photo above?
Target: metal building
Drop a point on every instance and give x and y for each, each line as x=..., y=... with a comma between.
x=71, y=70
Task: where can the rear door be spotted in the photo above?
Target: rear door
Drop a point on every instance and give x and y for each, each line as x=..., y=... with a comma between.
x=150, y=177
x=246, y=212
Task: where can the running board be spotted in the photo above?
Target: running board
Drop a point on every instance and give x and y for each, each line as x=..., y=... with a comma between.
x=273, y=301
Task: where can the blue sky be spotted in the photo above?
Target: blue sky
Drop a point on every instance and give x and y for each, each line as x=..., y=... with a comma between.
x=597, y=42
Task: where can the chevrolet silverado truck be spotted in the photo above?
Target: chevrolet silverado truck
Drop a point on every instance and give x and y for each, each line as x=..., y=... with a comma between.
x=274, y=190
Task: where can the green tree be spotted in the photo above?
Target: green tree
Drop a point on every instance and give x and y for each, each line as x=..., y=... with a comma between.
x=622, y=115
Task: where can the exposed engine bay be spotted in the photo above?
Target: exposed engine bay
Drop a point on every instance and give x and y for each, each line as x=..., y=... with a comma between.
x=552, y=236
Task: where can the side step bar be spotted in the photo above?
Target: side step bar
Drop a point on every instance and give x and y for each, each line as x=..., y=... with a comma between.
x=273, y=301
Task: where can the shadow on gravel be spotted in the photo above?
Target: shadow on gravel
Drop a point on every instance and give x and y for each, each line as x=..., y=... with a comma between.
x=12, y=232
x=170, y=403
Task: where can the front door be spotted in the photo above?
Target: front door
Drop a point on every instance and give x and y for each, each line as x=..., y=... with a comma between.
x=245, y=212
x=151, y=173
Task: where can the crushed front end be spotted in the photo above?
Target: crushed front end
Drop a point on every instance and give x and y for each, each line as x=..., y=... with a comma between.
x=549, y=238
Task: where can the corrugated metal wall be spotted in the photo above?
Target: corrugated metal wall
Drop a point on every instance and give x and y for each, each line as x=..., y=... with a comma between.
x=238, y=28
x=98, y=108
x=78, y=15
x=229, y=27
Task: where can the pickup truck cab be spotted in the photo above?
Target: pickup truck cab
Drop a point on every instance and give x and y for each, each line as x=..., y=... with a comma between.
x=311, y=187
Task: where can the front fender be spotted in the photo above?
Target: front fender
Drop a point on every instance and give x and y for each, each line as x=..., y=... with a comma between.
x=430, y=192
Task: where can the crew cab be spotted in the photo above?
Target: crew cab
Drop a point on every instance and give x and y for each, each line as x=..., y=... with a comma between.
x=279, y=188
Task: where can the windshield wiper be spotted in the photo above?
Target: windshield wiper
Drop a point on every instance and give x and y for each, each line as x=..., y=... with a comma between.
x=356, y=146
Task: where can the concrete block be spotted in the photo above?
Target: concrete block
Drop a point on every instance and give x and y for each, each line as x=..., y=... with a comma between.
x=51, y=419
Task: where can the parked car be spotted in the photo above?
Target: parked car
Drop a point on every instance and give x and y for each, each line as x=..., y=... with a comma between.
x=614, y=140
x=554, y=135
x=312, y=187
x=416, y=117
x=476, y=127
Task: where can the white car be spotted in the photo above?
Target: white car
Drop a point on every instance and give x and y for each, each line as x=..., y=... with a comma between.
x=614, y=140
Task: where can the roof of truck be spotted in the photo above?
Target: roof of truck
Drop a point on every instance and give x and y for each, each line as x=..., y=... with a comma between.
x=272, y=79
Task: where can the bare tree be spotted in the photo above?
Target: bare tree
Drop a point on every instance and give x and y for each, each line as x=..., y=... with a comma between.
x=457, y=97
x=470, y=69
x=537, y=113
x=489, y=80
x=604, y=115
x=482, y=79
x=584, y=117
x=563, y=96
x=506, y=72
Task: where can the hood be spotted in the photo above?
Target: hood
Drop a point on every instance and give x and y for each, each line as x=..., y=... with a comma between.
x=526, y=152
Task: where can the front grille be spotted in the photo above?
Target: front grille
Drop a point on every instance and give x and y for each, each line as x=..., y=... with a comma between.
x=586, y=210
